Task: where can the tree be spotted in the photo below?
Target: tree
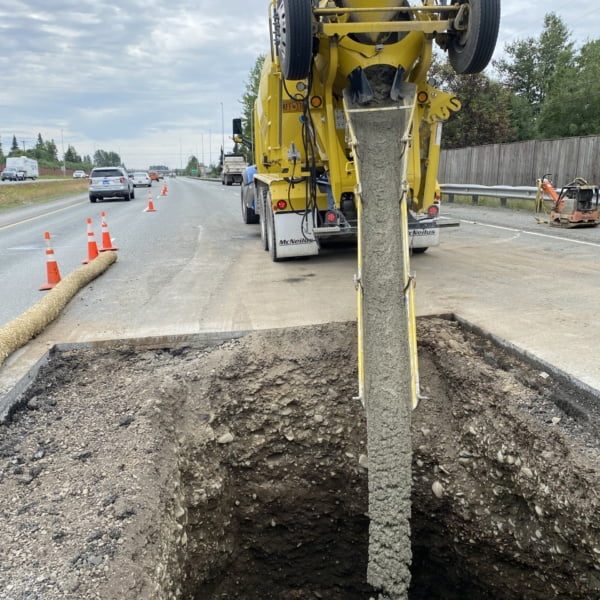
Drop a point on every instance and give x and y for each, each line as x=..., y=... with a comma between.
x=573, y=105
x=38, y=150
x=71, y=155
x=535, y=67
x=485, y=116
x=14, y=146
x=2, y=157
x=50, y=151
x=192, y=165
x=247, y=102
x=106, y=159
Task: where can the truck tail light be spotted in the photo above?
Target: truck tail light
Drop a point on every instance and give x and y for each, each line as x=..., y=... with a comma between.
x=331, y=217
x=281, y=205
x=433, y=210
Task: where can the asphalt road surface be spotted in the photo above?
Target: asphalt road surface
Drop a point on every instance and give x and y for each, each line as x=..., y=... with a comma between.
x=193, y=266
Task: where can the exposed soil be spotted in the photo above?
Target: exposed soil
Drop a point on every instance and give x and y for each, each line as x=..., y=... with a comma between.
x=240, y=472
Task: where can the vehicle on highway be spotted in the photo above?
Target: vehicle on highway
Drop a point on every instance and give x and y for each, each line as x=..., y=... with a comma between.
x=233, y=167
x=154, y=175
x=140, y=178
x=79, y=174
x=25, y=165
x=110, y=182
x=12, y=174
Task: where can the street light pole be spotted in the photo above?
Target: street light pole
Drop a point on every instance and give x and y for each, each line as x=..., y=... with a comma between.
x=222, y=133
x=62, y=143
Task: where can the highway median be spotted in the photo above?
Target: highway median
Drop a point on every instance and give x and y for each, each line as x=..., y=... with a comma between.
x=40, y=191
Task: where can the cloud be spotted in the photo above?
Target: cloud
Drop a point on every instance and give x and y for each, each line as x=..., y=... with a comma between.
x=147, y=79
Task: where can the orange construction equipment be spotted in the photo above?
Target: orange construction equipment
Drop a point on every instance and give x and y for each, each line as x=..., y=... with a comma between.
x=150, y=207
x=52, y=272
x=106, y=239
x=575, y=206
x=164, y=190
x=92, y=246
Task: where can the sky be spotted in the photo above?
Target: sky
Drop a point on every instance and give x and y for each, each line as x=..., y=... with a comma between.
x=157, y=82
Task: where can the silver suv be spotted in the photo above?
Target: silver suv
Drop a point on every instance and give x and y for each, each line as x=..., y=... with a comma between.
x=110, y=182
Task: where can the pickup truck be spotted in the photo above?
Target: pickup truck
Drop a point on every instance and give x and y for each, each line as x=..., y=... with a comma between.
x=13, y=174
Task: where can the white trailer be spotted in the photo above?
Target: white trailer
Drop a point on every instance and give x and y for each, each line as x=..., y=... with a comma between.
x=26, y=165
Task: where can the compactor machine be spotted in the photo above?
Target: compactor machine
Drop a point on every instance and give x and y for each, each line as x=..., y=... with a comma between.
x=575, y=206
x=346, y=139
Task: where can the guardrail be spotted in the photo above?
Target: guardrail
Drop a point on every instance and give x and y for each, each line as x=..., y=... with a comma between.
x=504, y=192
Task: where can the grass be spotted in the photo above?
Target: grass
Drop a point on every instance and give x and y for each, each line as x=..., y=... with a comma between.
x=516, y=204
x=38, y=192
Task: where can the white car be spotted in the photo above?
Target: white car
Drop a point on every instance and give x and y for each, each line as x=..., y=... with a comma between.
x=79, y=174
x=141, y=178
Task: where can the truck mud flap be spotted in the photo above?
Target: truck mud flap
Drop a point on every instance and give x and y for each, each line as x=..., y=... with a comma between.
x=294, y=236
x=423, y=234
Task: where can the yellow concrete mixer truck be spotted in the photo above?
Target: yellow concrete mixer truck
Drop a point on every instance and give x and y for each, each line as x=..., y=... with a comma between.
x=346, y=143
x=325, y=51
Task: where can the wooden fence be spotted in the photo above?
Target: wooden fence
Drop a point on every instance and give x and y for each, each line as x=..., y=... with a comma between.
x=521, y=163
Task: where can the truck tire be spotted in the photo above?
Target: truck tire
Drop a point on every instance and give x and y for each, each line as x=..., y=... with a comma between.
x=295, y=37
x=92, y=198
x=249, y=217
x=470, y=51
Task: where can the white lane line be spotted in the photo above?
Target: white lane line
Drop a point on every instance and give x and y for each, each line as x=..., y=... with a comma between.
x=534, y=233
x=45, y=214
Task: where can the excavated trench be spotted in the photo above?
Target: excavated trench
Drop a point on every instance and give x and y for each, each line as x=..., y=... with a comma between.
x=240, y=472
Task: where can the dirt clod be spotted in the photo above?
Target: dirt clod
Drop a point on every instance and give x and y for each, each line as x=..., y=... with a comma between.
x=115, y=484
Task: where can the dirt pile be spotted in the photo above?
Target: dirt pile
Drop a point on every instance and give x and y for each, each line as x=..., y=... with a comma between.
x=241, y=472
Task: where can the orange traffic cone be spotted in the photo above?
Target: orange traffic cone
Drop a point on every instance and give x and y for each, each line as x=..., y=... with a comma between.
x=52, y=272
x=106, y=240
x=150, y=207
x=163, y=192
x=92, y=246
